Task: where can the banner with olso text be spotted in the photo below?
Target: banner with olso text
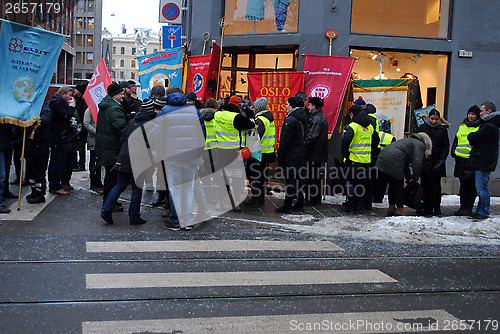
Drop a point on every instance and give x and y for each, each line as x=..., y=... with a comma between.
x=28, y=57
x=161, y=68
x=277, y=87
x=96, y=89
x=327, y=77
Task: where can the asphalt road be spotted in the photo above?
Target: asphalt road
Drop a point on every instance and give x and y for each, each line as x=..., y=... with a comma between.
x=66, y=272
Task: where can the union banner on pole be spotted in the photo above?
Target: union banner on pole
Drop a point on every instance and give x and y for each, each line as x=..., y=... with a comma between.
x=28, y=56
x=327, y=77
x=160, y=68
x=202, y=74
x=96, y=89
x=277, y=87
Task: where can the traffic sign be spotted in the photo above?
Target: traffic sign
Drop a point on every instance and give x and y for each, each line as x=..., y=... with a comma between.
x=172, y=37
x=171, y=11
x=331, y=34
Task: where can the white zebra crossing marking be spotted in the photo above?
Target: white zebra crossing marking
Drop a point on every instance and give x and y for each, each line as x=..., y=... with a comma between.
x=242, y=278
x=209, y=246
x=360, y=322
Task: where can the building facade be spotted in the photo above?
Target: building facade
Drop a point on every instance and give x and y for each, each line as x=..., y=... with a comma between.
x=121, y=52
x=58, y=16
x=452, y=46
x=87, y=37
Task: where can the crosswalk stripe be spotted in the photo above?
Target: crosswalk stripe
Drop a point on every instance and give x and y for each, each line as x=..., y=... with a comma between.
x=242, y=278
x=359, y=322
x=209, y=246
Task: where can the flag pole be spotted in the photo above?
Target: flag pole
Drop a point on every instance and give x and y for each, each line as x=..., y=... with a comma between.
x=21, y=172
x=223, y=25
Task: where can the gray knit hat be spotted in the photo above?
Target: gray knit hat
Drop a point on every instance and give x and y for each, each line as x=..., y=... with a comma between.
x=260, y=104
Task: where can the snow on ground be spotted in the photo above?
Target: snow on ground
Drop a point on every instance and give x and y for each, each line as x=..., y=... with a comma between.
x=449, y=229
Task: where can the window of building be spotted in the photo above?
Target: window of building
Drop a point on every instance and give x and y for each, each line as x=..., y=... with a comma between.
x=80, y=5
x=261, y=17
x=91, y=23
x=78, y=75
x=425, y=18
x=134, y=51
x=122, y=63
x=430, y=69
x=132, y=63
x=79, y=40
x=79, y=57
x=122, y=75
x=90, y=40
x=122, y=50
x=114, y=62
x=90, y=5
x=89, y=75
x=114, y=50
x=80, y=23
x=132, y=75
x=90, y=57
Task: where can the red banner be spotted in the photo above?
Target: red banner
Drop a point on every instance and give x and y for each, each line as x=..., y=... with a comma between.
x=202, y=74
x=277, y=87
x=328, y=78
x=96, y=89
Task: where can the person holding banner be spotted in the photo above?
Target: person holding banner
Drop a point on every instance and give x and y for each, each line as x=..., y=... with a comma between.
x=62, y=106
x=316, y=143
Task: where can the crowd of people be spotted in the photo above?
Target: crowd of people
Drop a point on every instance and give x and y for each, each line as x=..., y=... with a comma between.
x=185, y=140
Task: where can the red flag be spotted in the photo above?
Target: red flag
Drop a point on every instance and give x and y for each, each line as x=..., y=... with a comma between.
x=96, y=89
x=202, y=74
x=328, y=78
x=277, y=87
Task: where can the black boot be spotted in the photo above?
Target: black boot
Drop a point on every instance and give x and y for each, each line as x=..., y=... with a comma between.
x=287, y=206
x=37, y=194
x=162, y=199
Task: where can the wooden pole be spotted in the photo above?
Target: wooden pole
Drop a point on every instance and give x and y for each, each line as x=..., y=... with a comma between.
x=21, y=173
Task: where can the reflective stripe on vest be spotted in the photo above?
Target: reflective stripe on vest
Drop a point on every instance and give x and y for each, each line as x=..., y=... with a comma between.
x=377, y=127
x=227, y=135
x=463, y=147
x=361, y=145
x=268, y=141
x=385, y=139
x=211, y=140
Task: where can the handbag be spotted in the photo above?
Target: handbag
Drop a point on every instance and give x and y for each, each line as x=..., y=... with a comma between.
x=253, y=144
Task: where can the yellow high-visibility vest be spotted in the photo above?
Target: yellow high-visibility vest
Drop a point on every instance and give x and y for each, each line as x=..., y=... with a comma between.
x=361, y=146
x=463, y=147
x=227, y=135
x=385, y=139
x=268, y=141
x=377, y=127
x=211, y=140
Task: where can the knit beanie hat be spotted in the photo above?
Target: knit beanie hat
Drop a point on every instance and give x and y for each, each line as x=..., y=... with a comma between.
x=125, y=84
x=370, y=109
x=475, y=109
x=317, y=101
x=147, y=105
x=114, y=89
x=160, y=103
x=191, y=96
x=302, y=96
x=360, y=102
x=235, y=100
x=295, y=102
x=260, y=104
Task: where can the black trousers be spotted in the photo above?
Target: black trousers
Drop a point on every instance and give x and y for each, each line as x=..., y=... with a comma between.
x=94, y=171
x=82, y=151
x=359, y=186
x=37, y=160
x=467, y=192
x=396, y=192
x=110, y=180
x=431, y=188
x=294, y=187
x=57, y=165
x=70, y=165
x=255, y=170
x=314, y=178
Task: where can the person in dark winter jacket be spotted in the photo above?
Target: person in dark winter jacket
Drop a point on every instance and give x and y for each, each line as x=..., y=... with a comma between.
x=111, y=122
x=4, y=143
x=359, y=148
x=460, y=150
x=316, y=145
x=393, y=163
x=62, y=107
x=37, y=157
x=81, y=106
x=435, y=168
x=291, y=153
x=124, y=171
x=94, y=166
x=256, y=170
x=484, y=156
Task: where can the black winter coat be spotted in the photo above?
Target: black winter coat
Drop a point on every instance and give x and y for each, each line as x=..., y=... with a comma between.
x=316, y=141
x=5, y=136
x=462, y=165
x=123, y=161
x=291, y=148
x=484, y=154
x=61, y=131
x=440, y=148
x=364, y=120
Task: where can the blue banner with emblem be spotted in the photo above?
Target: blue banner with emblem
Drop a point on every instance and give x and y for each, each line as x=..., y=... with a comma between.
x=160, y=68
x=28, y=56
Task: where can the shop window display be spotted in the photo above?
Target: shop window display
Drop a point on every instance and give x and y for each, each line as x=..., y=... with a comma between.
x=261, y=16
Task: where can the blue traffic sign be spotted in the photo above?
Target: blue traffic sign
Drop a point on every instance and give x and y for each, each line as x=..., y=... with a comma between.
x=172, y=37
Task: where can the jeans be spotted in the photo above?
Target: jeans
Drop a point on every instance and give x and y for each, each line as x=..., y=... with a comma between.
x=123, y=180
x=483, y=206
x=180, y=177
x=109, y=181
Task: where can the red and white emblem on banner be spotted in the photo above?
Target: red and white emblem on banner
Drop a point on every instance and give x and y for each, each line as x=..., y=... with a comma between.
x=96, y=89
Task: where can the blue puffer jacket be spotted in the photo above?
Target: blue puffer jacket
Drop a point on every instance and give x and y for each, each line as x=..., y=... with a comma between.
x=180, y=129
